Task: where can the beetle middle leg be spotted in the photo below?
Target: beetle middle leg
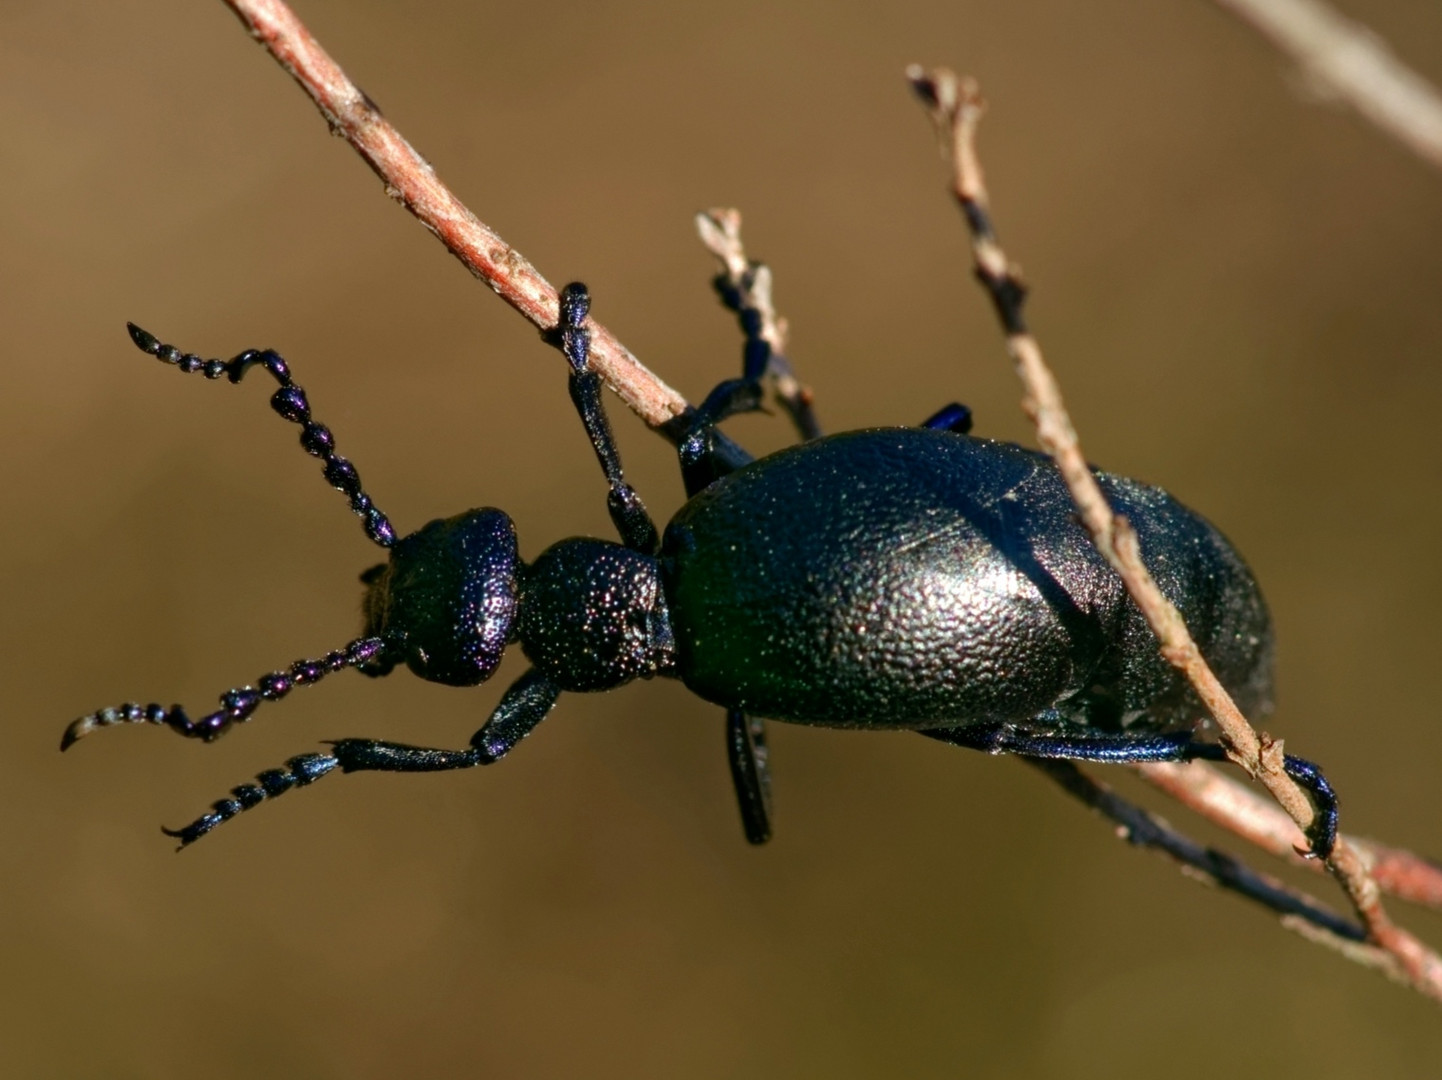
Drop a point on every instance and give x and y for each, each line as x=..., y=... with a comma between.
x=701, y=466
x=1136, y=748
x=748, y=294
x=524, y=705
x=744, y=287
x=955, y=417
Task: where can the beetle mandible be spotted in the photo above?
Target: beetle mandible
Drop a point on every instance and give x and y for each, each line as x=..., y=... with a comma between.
x=890, y=578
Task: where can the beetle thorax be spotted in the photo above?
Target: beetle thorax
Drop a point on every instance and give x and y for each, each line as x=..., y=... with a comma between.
x=593, y=615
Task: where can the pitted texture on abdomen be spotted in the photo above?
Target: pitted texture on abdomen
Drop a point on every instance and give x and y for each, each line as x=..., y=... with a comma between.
x=909, y=578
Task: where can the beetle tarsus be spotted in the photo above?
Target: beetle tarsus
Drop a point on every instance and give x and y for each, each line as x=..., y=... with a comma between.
x=628, y=512
x=744, y=293
x=299, y=771
x=1322, y=832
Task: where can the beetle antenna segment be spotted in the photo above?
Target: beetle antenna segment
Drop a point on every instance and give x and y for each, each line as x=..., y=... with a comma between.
x=290, y=402
x=236, y=705
x=628, y=512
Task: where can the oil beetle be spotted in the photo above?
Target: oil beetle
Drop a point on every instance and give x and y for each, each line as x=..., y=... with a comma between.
x=893, y=578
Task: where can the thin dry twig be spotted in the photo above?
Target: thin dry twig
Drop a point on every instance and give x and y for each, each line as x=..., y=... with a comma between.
x=955, y=107
x=1347, y=61
x=745, y=287
x=1144, y=829
x=1241, y=810
x=411, y=181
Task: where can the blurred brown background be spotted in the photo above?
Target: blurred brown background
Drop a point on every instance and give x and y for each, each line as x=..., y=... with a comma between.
x=1238, y=288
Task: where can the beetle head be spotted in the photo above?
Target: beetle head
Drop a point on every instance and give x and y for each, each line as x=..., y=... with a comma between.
x=445, y=603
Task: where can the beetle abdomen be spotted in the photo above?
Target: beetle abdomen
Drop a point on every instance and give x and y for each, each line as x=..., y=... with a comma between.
x=909, y=578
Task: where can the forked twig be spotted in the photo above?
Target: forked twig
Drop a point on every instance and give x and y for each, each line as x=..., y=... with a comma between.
x=955, y=107
x=410, y=180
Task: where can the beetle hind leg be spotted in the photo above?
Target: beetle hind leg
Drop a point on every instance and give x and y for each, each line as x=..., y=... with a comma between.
x=1135, y=749
x=1322, y=832
x=1100, y=746
x=750, y=772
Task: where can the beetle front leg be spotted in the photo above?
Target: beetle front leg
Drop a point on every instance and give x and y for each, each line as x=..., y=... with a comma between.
x=628, y=512
x=524, y=705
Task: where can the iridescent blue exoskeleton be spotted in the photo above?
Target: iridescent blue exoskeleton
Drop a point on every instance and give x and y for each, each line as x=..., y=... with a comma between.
x=901, y=578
